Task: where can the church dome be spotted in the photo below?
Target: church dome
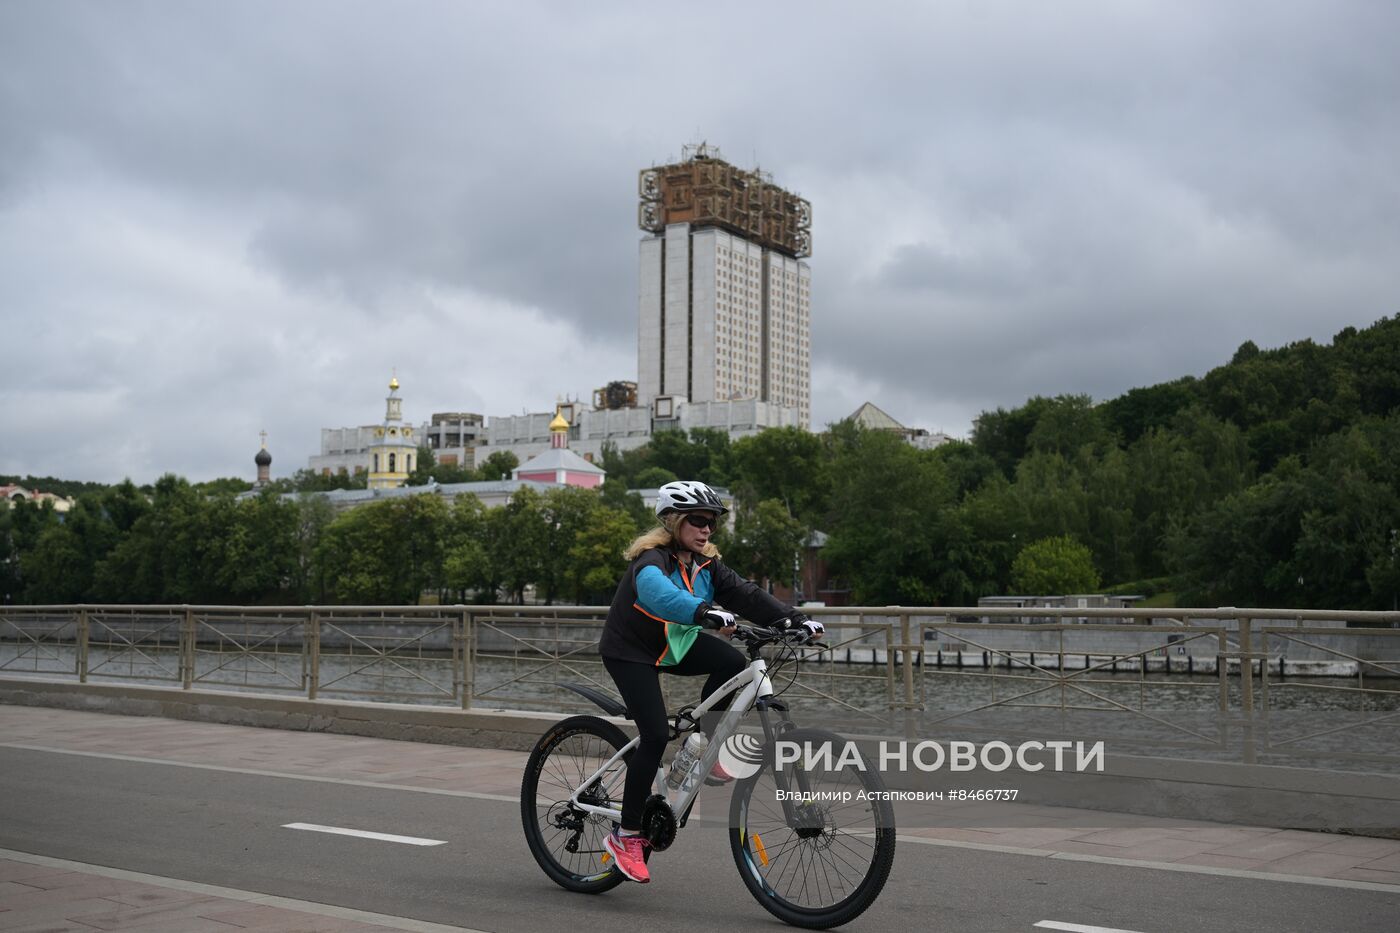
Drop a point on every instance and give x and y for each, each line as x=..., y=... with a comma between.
x=263, y=458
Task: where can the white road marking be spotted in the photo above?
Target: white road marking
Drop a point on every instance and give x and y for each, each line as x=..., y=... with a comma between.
x=1078, y=927
x=919, y=840
x=365, y=834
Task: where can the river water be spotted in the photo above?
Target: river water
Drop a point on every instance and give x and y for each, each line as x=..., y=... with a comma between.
x=525, y=682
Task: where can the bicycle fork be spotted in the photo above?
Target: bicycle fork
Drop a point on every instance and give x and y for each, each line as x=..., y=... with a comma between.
x=803, y=817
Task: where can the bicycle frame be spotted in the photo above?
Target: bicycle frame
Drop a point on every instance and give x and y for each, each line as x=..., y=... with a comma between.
x=752, y=685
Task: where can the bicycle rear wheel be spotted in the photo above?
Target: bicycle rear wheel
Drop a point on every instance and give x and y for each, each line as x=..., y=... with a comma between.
x=568, y=842
x=821, y=863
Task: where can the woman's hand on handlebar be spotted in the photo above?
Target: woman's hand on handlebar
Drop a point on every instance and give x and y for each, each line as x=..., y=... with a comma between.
x=720, y=620
x=798, y=622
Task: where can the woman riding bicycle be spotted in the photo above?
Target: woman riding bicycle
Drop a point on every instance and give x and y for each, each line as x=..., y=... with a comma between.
x=668, y=593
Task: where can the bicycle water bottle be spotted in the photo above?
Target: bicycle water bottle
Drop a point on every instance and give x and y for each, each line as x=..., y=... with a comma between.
x=686, y=760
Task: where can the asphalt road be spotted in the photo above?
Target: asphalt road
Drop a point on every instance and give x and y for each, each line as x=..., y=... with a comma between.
x=226, y=828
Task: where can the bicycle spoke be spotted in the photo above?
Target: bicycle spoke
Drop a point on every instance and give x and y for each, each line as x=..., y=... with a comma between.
x=824, y=865
x=558, y=770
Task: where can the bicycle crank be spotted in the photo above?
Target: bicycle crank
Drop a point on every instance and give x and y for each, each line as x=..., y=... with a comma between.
x=658, y=823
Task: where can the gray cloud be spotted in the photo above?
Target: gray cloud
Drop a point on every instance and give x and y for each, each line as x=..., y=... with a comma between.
x=221, y=217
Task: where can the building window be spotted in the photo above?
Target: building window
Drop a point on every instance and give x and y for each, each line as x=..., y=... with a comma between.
x=391, y=463
x=376, y=463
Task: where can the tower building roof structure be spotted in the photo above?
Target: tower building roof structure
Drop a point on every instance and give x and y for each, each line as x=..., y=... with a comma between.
x=705, y=191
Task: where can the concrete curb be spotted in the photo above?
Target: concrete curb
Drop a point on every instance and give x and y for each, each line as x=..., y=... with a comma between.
x=506, y=729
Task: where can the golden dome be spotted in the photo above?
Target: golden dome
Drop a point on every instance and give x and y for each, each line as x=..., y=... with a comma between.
x=394, y=384
x=558, y=424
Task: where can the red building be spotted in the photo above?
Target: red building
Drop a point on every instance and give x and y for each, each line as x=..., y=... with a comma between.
x=559, y=464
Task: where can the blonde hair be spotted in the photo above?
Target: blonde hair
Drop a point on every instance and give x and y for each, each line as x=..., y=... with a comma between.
x=663, y=535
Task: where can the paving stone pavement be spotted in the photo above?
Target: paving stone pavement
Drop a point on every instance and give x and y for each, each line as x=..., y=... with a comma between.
x=44, y=894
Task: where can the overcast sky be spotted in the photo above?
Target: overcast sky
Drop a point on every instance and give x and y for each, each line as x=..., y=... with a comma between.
x=218, y=218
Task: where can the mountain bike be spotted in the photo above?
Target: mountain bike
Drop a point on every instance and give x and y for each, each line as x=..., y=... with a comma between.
x=810, y=848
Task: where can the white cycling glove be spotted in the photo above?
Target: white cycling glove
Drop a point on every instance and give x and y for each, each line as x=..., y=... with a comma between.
x=719, y=618
x=797, y=620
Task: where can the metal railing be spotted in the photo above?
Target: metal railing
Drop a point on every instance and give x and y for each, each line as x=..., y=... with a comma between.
x=930, y=667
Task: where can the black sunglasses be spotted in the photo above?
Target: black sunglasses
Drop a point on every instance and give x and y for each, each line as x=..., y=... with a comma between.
x=696, y=521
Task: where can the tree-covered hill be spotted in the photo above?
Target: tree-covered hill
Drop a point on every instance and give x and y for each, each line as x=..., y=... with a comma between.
x=1272, y=480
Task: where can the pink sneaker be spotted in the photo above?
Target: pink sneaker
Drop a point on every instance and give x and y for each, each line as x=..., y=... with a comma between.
x=628, y=853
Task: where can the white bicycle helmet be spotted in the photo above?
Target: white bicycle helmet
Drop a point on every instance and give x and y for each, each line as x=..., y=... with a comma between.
x=687, y=496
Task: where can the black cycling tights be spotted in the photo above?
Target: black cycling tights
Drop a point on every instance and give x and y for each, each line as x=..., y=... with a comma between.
x=640, y=686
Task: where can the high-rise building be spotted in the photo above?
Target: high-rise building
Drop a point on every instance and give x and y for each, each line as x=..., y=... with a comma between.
x=725, y=299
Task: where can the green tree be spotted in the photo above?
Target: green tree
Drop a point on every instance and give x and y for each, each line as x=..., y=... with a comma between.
x=1383, y=573
x=613, y=493
x=718, y=465
x=1314, y=534
x=1054, y=566
x=1236, y=553
x=965, y=465
x=786, y=464
x=56, y=569
x=11, y=587
x=595, y=562
x=61, y=487
x=566, y=513
x=467, y=564
x=889, y=517
x=309, y=577
x=162, y=559
x=387, y=552
x=1067, y=424
x=498, y=465
x=61, y=565
x=767, y=542
x=1371, y=358
x=1139, y=410
x=259, y=557
x=228, y=485
x=516, y=542
x=1109, y=485
x=655, y=477
x=1005, y=435
x=1051, y=492
x=981, y=543
x=305, y=480
x=674, y=452
x=424, y=467
x=624, y=466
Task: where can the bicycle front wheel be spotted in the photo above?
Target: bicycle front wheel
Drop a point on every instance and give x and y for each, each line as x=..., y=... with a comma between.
x=568, y=842
x=818, y=862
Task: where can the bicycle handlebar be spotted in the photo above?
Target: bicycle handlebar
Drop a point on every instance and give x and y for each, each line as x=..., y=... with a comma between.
x=758, y=637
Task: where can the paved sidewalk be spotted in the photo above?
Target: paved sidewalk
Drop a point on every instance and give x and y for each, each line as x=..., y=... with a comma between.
x=42, y=894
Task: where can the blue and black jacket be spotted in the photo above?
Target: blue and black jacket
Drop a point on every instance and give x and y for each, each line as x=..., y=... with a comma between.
x=656, y=614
